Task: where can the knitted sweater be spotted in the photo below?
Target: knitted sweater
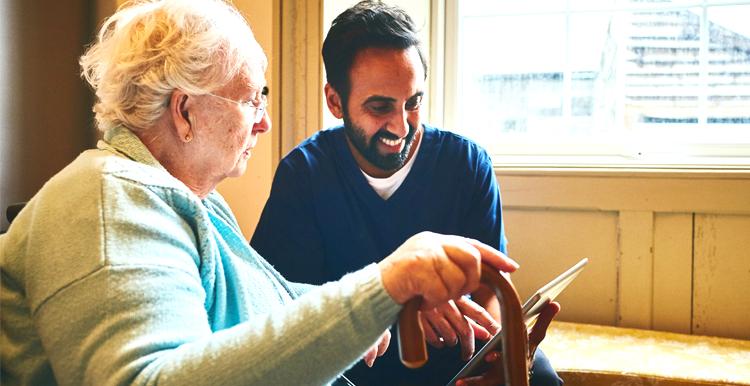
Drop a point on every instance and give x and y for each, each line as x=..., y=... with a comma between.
x=115, y=273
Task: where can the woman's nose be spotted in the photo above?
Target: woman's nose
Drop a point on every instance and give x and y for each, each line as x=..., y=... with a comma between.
x=264, y=125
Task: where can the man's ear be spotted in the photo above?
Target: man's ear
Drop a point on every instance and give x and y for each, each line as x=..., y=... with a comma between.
x=333, y=100
x=178, y=111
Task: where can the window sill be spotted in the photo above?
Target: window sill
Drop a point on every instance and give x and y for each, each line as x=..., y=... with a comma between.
x=593, y=166
x=589, y=188
x=618, y=171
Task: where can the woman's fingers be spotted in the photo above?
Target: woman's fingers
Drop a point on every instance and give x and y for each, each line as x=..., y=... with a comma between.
x=385, y=341
x=493, y=257
x=438, y=268
x=378, y=349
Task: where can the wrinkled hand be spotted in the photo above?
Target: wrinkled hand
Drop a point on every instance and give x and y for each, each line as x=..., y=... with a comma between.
x=438, y=268
x=494, y=374
x=378, y=349
x=458, y=321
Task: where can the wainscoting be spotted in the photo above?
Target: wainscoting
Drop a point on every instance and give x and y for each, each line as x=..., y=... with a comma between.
x=668, y=251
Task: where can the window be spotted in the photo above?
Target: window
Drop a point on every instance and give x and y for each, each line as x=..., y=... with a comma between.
x=633, y=83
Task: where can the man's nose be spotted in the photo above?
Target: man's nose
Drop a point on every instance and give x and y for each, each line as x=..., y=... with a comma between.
x=399, y=124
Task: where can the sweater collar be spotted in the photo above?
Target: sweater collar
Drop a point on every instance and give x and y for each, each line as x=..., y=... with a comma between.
x=121, y=140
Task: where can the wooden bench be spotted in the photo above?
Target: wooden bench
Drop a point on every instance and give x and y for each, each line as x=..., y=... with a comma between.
x=591, y=355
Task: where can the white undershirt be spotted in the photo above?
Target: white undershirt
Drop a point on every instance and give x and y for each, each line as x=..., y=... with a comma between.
x=385, y=187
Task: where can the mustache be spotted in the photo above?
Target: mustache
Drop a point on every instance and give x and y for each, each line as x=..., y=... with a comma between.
x=383, y=133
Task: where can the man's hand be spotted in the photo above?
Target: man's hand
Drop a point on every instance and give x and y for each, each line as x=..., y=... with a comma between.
x=494, y=374
x=438, y=268
x=458, y=321
x=378, y=349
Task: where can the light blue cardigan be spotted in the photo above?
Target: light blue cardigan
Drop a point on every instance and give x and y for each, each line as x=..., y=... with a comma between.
x=116, y=274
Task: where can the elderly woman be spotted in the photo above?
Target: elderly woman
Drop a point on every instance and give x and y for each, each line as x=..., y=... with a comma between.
x=128, y=268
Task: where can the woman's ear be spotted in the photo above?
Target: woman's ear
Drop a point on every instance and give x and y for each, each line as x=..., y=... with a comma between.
x=333, y=100
x=179, y=112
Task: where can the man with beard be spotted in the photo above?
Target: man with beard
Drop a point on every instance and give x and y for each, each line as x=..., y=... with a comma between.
x=350, y=195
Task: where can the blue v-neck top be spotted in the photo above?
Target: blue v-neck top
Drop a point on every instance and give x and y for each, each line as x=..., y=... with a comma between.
x=323, y=219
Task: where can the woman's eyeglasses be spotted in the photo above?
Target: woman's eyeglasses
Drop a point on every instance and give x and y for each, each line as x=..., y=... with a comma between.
x=259, y=108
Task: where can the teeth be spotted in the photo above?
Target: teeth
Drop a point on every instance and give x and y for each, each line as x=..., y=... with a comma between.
x=391, y=142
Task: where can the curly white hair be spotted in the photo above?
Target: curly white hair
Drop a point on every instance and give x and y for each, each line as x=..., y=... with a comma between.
x=147, y=49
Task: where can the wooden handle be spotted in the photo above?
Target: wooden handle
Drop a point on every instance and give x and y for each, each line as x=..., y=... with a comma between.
x=413, y=348
x=411, y=344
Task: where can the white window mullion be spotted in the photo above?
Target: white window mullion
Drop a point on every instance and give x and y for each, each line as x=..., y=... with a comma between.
x=437, y=71
x=452, y=64
x=703, y=54
x=567, y=94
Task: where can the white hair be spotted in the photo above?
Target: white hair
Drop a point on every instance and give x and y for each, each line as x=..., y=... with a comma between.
x=147, y=49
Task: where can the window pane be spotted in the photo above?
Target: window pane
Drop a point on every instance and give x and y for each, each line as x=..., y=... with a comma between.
x=728, y=76
x=661, y=68
x=593, y=74
x=513, y=86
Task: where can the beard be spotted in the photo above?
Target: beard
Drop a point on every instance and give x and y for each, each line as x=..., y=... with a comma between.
x=369, y=150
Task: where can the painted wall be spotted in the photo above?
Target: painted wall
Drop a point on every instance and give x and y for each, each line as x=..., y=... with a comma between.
x=45, y=108
x=248, y=194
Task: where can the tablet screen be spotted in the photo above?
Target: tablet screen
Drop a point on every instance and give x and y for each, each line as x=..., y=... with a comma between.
x=534, y=305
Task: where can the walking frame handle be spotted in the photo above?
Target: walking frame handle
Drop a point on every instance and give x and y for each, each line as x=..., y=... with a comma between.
x=413, y=348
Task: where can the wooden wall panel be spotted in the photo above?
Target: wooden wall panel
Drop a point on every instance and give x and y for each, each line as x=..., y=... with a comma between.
x=635, y=284
x=637, y=192
x=721, y=301
x=673, y=273
x=546, y=243
x=669, y=249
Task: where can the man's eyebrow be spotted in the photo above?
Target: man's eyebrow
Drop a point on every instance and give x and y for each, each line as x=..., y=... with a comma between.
x=379, y=98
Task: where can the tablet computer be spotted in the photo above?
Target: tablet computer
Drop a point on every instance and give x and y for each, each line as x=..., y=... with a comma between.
x=531, y=309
